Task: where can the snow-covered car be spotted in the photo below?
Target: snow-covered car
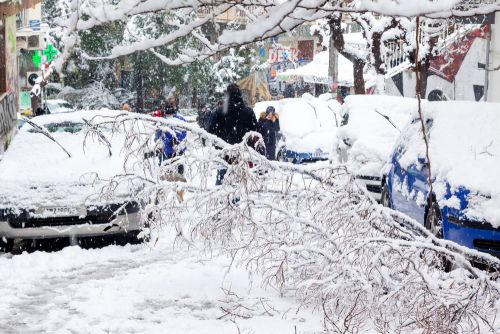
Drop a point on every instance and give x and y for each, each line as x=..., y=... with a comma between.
x=58, y=106
x=464, y=154
x=52, y=177
x=370, y=126
x=93, y=97
x=308, y=127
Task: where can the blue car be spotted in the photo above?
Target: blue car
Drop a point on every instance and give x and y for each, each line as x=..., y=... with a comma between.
x=286, y=154
x=464, y=154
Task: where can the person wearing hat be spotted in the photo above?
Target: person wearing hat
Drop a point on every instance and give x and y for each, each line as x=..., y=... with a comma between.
x=231, y=121
x=171, y=143
x=269, y=127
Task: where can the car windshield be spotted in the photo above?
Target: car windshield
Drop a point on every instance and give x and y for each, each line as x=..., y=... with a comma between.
x=70, y=127
x=57, y=107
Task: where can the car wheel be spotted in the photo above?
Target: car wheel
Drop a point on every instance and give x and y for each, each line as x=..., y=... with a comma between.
x=6, y=245
x=280, y=157
x=434, y=223
x=385, y=198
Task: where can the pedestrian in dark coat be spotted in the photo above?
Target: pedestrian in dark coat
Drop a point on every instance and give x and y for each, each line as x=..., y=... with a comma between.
x=269, y=127
x=205, y=117
x=232, y=121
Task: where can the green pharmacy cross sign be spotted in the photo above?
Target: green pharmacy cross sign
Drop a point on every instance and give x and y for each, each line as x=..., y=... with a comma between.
x=49, y=52
x=37, y=59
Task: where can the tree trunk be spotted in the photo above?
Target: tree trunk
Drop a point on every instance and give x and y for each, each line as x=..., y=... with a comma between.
x=379, y=63
x=425, y=65
x=194, y=99
x=359, y=78
x=139, y=87
x=337, y=42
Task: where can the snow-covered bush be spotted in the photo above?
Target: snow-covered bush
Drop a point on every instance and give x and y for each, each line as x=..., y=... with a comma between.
x=313, y=231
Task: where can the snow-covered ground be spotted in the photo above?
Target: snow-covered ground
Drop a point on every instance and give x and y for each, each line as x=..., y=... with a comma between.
x=162, y=288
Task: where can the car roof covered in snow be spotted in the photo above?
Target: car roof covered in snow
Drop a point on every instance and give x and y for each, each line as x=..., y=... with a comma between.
x=308, y=123
x=464, y=148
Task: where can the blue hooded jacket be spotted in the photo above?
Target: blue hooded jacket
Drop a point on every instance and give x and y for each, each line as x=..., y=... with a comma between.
x=169, y=141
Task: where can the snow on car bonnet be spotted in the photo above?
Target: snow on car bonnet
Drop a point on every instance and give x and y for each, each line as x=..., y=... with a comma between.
x=371, y=135
x=464, y=150
x=35, y=167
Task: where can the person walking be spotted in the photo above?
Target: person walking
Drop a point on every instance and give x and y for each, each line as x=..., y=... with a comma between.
x=269, y=127
x=232, y=121
x=171, y=149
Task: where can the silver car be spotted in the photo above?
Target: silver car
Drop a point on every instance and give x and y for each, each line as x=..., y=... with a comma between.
x=52, y=184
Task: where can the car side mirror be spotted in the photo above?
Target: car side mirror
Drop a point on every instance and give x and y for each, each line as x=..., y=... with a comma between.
x=423, y=161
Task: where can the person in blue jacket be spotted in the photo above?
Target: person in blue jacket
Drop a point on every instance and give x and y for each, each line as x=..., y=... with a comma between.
x=171, y=143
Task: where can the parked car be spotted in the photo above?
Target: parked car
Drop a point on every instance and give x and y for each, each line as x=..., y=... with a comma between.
x=58, y=106
x=308, y=127
x=49, y=184
x=370, y=126
x=464, y=151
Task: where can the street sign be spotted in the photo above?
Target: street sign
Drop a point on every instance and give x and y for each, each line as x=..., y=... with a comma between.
x=34, y=25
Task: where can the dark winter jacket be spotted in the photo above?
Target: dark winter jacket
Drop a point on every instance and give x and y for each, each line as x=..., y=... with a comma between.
x=205, y=119
x=269, y=129
x=233, y=122
x=169, y=141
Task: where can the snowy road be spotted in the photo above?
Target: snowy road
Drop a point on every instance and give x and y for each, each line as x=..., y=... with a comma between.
x=138, y=289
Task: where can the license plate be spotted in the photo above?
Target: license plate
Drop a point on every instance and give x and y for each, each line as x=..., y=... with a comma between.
x=60, y=211
x=319, y=155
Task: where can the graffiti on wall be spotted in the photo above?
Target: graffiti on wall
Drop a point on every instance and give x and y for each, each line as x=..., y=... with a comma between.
x=8, y=115
x=11, y=54
x=282, y=54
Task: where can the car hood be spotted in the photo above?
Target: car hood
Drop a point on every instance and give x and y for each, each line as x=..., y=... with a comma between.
x=311, y=142
x=464, y=204
x=366, y=155
x=36, y=170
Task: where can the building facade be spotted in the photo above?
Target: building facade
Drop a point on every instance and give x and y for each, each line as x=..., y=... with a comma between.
x=9, y=74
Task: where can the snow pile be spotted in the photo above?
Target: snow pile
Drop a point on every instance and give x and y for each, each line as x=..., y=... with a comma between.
x=371, y=136
x=464, y=150
x=141, y=289
x=307, y=123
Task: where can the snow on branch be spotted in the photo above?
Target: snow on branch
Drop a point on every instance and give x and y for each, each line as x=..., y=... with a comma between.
x=261, y=19
x=312, y=231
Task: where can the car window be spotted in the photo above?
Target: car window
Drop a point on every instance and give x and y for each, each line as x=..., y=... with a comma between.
x=59, y=107
x=70, y=127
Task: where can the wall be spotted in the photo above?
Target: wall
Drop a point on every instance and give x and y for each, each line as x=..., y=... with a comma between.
x=466, y=75
x=494, y=62
x=8, y=101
